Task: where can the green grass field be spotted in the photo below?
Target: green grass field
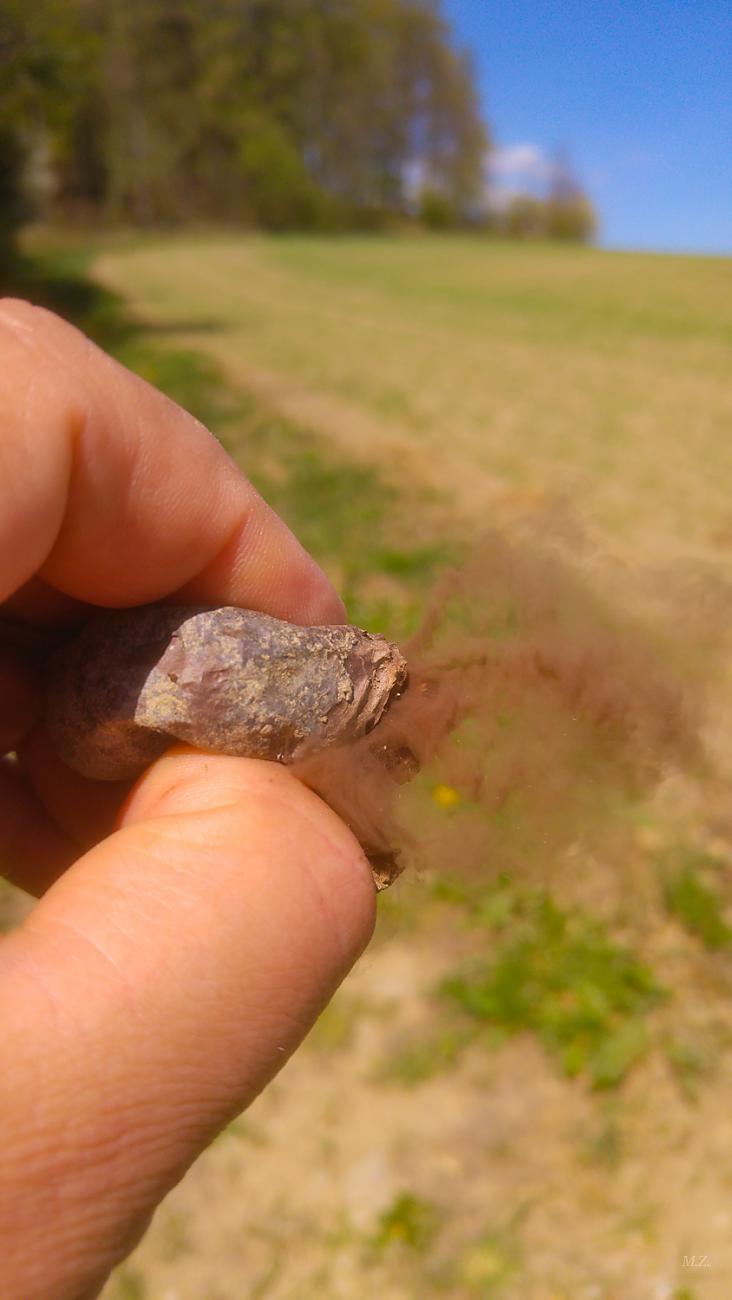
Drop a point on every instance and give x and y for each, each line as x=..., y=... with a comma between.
x=523, y=1089
x=500, y=374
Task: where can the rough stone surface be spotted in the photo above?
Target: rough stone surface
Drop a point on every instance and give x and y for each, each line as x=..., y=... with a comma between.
x=228, y=680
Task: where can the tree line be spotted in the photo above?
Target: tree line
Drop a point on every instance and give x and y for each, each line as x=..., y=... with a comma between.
x=281, y=114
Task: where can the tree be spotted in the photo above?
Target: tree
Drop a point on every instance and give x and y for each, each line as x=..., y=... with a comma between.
x=280, y=192
x=11, y=206
x=525, y=217
x=42, y=76
x=282, y=112
x=570, y=214
x=563, y=211
x=572, y=219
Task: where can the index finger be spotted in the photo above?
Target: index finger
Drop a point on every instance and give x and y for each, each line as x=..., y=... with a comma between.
x=116, y=496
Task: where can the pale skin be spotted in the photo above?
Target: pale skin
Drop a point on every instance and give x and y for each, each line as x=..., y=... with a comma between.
x=189, y=929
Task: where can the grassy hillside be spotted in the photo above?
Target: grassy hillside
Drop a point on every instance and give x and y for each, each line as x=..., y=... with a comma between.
x=500, y=373
x=523, y=1090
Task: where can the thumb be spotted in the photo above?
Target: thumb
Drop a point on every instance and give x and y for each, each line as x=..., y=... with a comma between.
x=152, y=993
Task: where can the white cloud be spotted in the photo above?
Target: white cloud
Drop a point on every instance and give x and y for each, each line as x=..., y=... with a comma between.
x=522, y=166
x=517, y=169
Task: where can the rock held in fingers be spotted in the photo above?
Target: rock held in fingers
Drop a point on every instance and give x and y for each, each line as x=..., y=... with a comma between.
x=228, y=680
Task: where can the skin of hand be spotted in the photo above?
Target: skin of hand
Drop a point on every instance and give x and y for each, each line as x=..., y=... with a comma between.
x=189, y=928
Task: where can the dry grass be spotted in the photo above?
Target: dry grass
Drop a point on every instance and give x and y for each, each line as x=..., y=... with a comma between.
x=502, y=374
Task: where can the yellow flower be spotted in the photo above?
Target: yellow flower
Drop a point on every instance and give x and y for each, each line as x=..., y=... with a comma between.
x=445, y=796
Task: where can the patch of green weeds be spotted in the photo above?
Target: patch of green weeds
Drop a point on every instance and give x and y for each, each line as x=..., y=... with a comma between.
x=409, y=1221
x=187, y=377
x=450, y=889
x=57, y=276
x=692, y=895
x=559, y=974
x=347, y=515
x=60, y=277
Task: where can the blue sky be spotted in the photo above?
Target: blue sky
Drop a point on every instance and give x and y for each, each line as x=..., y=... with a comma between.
x=638, y=92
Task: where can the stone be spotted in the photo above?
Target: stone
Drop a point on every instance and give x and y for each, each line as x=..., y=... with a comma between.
x=227, y=680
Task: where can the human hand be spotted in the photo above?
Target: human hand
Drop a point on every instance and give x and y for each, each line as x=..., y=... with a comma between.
x=189, y=930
